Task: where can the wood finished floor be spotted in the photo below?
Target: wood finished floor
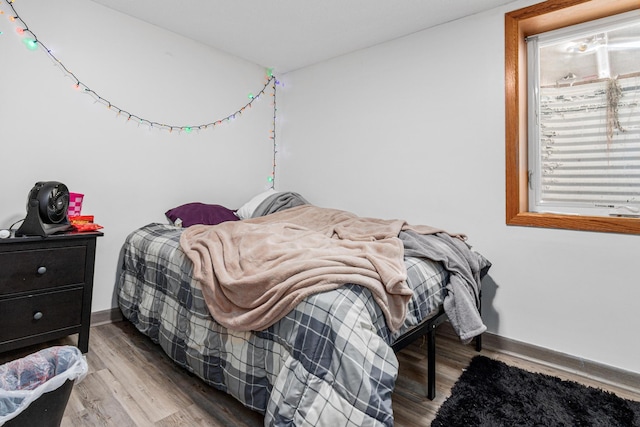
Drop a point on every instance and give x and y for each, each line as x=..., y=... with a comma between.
x=131, y=382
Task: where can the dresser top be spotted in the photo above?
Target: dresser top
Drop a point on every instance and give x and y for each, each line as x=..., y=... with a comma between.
x=53, y=237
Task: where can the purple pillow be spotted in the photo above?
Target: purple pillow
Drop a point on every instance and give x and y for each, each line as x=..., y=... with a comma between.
x=200, y=213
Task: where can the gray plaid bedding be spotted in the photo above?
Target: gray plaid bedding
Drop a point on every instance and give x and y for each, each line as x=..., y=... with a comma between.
x=328, y=362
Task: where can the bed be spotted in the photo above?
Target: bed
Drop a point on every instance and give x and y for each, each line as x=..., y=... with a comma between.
x=324, y=357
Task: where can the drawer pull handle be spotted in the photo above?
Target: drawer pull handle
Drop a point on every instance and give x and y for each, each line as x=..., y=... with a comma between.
x=42, y=270
x=38, y=315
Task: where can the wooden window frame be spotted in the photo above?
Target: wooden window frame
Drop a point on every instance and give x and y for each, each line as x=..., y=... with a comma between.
x=519, y=24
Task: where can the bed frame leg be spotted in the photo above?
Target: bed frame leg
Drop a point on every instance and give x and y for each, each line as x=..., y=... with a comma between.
x=427, y=329
x=431, y=364
x=479, y=337
x=479, y=343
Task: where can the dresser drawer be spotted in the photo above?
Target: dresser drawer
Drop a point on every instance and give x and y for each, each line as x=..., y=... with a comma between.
x=31, y=270
x=40, y=313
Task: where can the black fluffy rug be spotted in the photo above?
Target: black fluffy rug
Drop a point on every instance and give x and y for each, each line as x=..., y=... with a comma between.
x=491, y=393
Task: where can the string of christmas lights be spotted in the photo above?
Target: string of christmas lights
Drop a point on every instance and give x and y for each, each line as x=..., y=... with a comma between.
x=33, y=42
x=272, y=178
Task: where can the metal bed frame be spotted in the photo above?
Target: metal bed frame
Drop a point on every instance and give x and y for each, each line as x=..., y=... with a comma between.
x=428, y=328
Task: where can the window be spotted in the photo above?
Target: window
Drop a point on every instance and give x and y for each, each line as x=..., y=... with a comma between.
x=570, y=161
x=584, y=118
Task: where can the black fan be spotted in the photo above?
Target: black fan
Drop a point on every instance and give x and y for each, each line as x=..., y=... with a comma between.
x=47, y=206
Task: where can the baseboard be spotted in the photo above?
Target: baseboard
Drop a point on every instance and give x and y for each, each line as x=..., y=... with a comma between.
x=106, y=316
x=562, y=361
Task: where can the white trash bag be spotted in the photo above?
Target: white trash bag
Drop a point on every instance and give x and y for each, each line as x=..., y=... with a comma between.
x=22, y=381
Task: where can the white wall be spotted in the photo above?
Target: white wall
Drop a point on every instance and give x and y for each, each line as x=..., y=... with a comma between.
x=414, y=129
x=411, y=129
x=130, y=175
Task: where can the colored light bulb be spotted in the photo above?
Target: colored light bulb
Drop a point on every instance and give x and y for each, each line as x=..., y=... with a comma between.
x=30, y=43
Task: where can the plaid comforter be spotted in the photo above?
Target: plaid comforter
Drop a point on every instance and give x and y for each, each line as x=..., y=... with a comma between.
x=328, y=362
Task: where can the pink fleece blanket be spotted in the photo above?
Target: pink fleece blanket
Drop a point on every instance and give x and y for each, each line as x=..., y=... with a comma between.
x=253, y=272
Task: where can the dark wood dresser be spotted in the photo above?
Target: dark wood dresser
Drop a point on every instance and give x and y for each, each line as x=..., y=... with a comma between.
x=46, y=285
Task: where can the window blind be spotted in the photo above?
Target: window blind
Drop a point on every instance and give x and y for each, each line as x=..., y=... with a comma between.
x=589, y=144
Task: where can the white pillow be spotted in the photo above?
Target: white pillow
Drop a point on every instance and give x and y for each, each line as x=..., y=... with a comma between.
x=248, y=208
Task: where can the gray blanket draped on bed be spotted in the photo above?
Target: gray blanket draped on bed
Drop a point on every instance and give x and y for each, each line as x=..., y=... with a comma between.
x=463, y=290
